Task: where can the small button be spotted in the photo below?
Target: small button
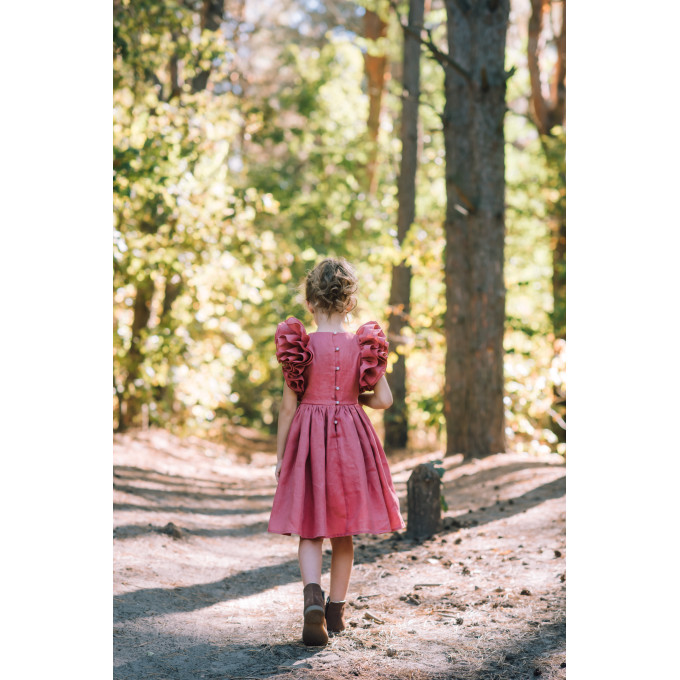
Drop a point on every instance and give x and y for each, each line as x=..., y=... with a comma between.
x=335, y=421
x=337, y=349
x=336, y=387
x=334, y=332
x=337, y=402
x=337, y=368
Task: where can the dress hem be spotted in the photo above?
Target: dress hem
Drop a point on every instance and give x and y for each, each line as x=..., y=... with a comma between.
x=351, y=533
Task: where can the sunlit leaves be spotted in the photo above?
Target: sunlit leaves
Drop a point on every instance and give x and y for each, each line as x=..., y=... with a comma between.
x=224, y=199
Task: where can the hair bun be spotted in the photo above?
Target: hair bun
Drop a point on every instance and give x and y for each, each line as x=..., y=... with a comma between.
x=331, y=286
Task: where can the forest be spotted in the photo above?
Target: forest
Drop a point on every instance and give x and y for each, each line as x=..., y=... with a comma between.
x=423, y=141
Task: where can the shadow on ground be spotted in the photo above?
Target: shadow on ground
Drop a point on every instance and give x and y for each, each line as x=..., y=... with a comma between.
x=151, y=601
x=181, y=658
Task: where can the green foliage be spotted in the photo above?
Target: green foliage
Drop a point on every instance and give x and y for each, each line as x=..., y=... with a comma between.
x=182, y=225
x=217, y=252
x=532, y=367
x=226, y=195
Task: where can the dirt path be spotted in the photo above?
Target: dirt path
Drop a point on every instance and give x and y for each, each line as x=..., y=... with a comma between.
x=202, y=590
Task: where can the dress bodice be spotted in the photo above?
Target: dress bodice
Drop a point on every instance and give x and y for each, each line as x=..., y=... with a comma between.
x=331, y=367
x=332, y=377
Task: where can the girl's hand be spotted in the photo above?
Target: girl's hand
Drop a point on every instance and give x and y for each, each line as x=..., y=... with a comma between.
x=277, y=472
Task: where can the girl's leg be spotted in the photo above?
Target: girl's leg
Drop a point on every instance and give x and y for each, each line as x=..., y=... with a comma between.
x=309, y=554
x=341, y=566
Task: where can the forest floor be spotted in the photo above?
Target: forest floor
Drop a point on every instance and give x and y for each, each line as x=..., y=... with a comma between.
x=202, y=590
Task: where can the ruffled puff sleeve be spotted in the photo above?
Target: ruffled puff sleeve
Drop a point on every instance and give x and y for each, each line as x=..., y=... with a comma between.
x=293, y=353
x=373, y=355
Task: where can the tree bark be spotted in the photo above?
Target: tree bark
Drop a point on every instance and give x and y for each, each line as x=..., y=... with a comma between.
x=546, y=113
x=376, y=70
x=559, y=277
x=211, y=17
x=165, y=394
x=475, y=226
x=396, y=418
x=142, y=311
x=423, y=503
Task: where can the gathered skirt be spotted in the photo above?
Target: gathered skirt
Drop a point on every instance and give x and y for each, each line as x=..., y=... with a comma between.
x=334, y=479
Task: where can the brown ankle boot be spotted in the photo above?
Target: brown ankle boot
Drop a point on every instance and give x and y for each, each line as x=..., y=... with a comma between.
x=314, y=630
x=335, y=616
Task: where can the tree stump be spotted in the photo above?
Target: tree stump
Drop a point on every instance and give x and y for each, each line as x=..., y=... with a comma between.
x=424, y=505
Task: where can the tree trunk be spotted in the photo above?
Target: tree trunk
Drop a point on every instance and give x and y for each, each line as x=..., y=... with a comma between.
x=475, y=226
x=396, y=418
x=546, y=113
x=559, y=277
x=376, y=69
x=211, y=17
x=142, y=311
x=166, y=393
x=423, y=503
x=558, y=422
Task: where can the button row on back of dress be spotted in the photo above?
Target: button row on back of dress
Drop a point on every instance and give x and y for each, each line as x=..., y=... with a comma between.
x=337, y=387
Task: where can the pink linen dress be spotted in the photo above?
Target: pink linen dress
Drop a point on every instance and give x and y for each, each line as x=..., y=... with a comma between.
x=335, y=479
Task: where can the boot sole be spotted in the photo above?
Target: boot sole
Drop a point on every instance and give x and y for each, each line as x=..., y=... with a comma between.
x=314, y=630
x=335, y=630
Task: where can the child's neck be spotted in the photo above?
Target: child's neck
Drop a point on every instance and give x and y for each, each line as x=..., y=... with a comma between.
x=332, y=324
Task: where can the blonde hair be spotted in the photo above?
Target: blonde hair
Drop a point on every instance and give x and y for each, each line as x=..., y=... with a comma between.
x=331, y=286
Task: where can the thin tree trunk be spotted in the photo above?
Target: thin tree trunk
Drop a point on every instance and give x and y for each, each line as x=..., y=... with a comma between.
x=546, y=113
x=376, y=69
x=559, y=81
x=475, y=226
x=538, y=105
x=165, y=394
x=559, y=276
x=211, y=18
x=120, y=409
x=173, y=72
x=135, y=355
x=396, y=418
x=558, y=420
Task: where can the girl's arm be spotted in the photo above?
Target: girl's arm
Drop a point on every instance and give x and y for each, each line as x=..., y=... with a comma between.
x=381, y=397
x=286, y=413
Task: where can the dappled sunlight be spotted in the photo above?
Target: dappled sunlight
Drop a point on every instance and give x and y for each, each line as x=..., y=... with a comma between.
x=202, y=585
x=241, y=166
x=251, y=141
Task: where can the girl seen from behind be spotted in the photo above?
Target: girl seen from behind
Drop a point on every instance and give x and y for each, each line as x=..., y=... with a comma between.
x=333, y=477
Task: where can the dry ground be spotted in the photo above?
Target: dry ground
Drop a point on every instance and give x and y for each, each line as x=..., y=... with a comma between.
x=202, y=590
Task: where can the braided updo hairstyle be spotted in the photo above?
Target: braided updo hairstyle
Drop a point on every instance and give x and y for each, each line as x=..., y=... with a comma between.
x=331, y=286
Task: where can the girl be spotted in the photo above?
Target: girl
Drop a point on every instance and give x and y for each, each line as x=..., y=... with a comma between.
x=332, y=473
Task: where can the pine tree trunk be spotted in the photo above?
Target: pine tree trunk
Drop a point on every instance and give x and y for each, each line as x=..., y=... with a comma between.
x=211, y=17
x=559, y=320
x=546, y=113
x=423, y=497
x=475, y=226
x=396, y=417
x=164, y=394
x=132, y=403
x=376, y=69
x=559, y=277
